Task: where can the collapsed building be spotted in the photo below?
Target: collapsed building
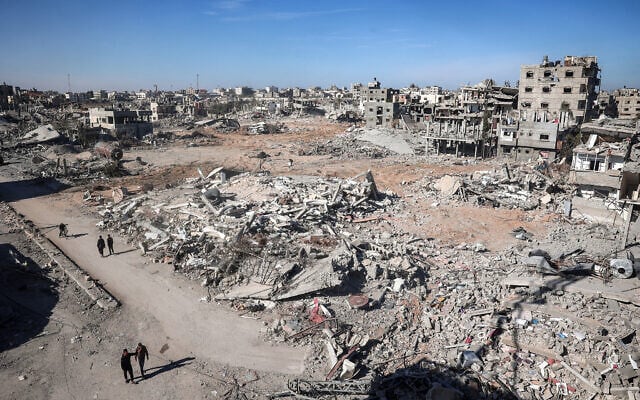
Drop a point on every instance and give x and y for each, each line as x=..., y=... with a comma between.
x=468, y=124
x=606, y=172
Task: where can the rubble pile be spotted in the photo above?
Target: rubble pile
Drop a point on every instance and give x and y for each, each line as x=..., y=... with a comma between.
x=468, y=331
x=263, y=128
x=512, y=187
x=274, y=232
x=346, y=146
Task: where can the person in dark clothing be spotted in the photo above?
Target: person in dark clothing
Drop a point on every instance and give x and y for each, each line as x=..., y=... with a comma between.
x=110, y=244
x=125, y=364
x=63, y=230
x=141, y=355
x=101, y=246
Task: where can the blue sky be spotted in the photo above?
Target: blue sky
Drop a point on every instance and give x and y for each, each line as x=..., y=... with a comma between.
x=128, y=45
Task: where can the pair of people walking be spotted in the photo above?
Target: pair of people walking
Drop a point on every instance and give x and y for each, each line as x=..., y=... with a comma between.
x=101, y=245
x=141, y=354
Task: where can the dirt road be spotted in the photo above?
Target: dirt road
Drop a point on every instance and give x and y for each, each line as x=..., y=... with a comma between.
x=167, y=304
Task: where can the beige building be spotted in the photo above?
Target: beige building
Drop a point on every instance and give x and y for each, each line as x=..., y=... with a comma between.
x=380, y=109
x=628, y=101
x=562, y=92
x=121, y=123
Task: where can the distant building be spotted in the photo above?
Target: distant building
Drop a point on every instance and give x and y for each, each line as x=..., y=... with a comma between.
x=7, y=97
x=161, y=111
x=628, y=101
x=380, y=109
x=99, y=95
x=431, y=94
x=564, y=92
x=242, y=91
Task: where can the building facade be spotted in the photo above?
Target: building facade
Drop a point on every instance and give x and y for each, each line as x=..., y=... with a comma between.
x=565, y=92
x=628, y=102
x=122, y=123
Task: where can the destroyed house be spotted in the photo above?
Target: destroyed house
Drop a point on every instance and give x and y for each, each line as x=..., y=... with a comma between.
x=528, y=140
x=161, y=111
x=122, y=123
x=606, y=170
x=414, y=115
x=596, y=168
x=7, y=97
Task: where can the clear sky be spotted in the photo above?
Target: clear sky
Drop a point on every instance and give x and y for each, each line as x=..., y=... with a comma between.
x=133, y=44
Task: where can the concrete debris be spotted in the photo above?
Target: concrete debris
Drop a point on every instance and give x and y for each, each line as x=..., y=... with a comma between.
x=43, y=134
x=387, y=139
x=247, y=237
x=262, y=128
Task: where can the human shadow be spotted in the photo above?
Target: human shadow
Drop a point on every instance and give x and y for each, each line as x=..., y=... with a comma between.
x=122, y=252
x=167, y=367
x=76, y=235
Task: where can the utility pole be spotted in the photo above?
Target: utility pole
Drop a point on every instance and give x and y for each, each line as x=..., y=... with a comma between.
x=197, y=82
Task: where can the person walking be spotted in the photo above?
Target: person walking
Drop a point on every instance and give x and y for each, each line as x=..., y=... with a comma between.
x=125, y=364
x=141, y=355
x=62, y=230
x=101, y=246
x=110, y=244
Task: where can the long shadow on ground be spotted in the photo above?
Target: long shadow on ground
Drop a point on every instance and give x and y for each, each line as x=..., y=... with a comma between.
x=26, y=298
x=26, y=189
x=153, y=371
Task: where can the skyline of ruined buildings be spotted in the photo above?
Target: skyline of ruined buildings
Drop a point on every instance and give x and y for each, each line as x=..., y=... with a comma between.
x=530, y=120
x=555, y=116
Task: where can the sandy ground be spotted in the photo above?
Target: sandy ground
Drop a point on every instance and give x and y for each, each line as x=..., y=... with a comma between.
x=59, y=345
x=161, y=309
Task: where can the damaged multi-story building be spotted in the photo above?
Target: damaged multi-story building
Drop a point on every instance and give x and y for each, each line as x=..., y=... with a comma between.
x=121, y=123
x=380, y=109
x=553, y=98
x=160, y=111
x=466, y=123
x=628, y=102
x=606, y=170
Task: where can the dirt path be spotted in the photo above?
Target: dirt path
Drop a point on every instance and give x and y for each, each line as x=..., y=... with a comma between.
x=155, y=293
